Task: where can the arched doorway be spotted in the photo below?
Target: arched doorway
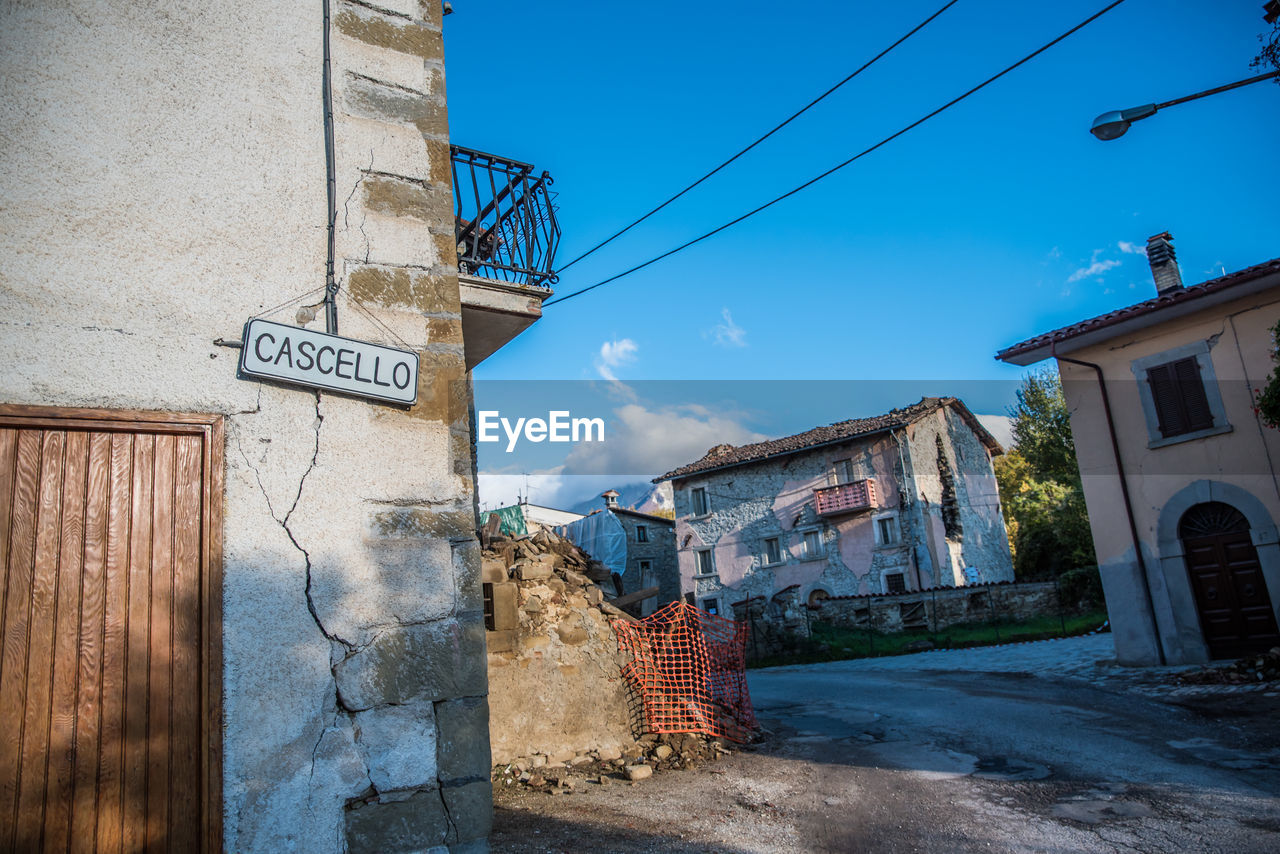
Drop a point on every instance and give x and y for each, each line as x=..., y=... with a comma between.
x=1235, y=610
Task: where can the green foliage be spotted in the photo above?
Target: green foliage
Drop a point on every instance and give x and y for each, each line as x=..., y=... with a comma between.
x=1045, y=515
x=1270, y=53
x=1081, y=588
x=1267, y=400
x=1042, y=427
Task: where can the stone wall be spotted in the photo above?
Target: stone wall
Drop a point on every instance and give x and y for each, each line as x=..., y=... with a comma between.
x=938, y=609
x=782, y=623
x=556, y=692
x=163, y=172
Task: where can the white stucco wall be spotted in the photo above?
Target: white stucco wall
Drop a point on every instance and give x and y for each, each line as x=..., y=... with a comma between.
x=162, y=179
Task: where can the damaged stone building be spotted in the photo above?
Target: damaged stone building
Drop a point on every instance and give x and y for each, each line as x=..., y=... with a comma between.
x=897, y=502
x=638, y=548
x=239, y=614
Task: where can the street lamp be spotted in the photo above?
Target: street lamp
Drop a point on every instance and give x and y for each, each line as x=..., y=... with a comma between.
x=1114, y=124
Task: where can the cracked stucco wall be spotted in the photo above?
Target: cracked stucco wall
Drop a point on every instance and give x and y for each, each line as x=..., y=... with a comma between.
x=162, y=173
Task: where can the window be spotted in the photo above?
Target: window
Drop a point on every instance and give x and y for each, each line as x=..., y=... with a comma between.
x=895, y=583
x=642, y=533
x=1180, y=397
x=887, y=531
x=1178, y=394
x=698, y=501
x=843, y=471
x=704, y=565
x=813, y=544
x=711, y=606
x=772, y=551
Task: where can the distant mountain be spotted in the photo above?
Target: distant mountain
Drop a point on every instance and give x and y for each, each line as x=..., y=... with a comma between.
x=642, y=496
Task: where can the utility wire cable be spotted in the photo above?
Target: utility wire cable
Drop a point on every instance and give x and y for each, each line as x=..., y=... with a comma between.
x=775, y=129
x=840, y=166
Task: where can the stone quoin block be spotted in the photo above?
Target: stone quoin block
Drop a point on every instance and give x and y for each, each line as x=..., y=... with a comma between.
x=506, y=607
x=398, y=744
x=433, y=662
x=493, y=570
x=471, y=808
x=463, y=738
x=411, y=825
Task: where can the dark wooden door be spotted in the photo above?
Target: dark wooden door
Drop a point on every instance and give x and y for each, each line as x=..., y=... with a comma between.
x=1235, y=609
x=109, y=529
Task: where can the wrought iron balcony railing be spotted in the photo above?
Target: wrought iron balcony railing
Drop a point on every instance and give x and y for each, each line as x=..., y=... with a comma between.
x=504, y=219
x=845, y=498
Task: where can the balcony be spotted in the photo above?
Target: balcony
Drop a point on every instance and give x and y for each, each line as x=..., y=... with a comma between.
x=851, y=497
x=507, y=234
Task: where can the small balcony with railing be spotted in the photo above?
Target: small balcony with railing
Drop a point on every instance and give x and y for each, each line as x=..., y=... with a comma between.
x=507, y=234
x=853, y=497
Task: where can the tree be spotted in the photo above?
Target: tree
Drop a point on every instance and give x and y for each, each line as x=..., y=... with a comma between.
x=1042, y=427
x=1040, y=491
x=1268, y=397
x=1270, y=53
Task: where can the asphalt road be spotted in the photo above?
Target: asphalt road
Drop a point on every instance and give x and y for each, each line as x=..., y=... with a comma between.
x=911, y=754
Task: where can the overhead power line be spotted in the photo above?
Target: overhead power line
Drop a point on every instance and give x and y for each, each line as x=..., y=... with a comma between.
x=840, y=166
x=774, y=130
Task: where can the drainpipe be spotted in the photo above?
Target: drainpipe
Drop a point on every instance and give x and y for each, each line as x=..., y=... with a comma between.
x=1124, y=492
x=331, y=185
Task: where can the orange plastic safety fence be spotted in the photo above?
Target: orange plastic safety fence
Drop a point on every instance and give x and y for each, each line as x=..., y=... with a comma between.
x=689, y=668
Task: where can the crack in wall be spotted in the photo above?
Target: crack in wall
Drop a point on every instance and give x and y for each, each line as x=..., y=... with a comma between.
x=448, y=816
x=346, y=208
x=284, y=523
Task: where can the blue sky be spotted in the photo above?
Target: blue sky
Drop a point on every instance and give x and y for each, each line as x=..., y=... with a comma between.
x=997, y=220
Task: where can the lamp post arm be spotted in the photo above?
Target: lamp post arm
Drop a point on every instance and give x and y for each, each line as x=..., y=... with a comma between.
x=1229, y=86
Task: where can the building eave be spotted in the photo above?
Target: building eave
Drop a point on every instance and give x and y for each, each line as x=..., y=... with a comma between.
x=1143, y=315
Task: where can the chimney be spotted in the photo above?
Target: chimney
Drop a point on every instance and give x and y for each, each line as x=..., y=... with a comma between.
x=610, y=498
x=1164, y=263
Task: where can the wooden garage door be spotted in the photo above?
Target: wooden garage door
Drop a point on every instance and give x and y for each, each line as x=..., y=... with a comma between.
x=109, y=677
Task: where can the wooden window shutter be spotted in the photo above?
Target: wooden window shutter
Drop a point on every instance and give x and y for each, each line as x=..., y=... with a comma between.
x=1178, y=393
x=1191, y=391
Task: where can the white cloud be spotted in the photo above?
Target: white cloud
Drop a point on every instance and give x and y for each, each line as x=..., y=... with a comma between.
x=1095, y=268
x=1132, y=248
x=650, y=442
x=615, y=354
x=729, y=334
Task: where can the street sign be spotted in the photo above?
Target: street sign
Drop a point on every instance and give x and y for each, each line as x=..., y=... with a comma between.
x=291, y=354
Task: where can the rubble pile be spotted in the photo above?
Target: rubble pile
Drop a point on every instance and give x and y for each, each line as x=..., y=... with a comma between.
x=1250, y=670
x=556, y=691
x=554, y=579
x=561, y=713
x=565, y=774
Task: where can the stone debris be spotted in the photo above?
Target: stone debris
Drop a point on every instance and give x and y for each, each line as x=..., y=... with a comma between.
x=639, y=761
x=1249, y=670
